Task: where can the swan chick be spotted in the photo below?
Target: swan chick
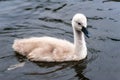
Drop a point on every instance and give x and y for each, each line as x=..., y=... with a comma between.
x=52, y=49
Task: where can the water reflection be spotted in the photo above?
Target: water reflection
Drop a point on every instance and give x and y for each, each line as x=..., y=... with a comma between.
x=79, y=68
x=50, y=68
x=20, y=58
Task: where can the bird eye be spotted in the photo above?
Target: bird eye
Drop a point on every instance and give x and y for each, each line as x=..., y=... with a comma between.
x=79, y=23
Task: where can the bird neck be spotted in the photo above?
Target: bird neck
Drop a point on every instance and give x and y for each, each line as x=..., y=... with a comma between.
x=80, y=44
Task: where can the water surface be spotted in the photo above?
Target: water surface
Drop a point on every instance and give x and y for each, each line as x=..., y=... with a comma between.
x=26, y=18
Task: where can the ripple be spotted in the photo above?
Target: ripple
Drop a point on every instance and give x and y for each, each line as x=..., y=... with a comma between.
x=55, y=10
x=10, y=28
x=93, y=50
x=113, y=39
x=111, y=0
x=53, y=20
x=113, y=19
x=96, y=18
x=99, y=9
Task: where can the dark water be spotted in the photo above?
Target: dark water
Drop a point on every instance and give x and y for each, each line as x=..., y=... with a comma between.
x=25, y=18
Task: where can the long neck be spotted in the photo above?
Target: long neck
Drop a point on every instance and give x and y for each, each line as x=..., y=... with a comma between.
x=80, y=44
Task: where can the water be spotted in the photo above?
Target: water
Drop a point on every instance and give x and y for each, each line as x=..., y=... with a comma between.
x=25, y=18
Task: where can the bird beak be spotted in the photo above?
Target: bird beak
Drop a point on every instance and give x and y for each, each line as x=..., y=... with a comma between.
x=85, y=31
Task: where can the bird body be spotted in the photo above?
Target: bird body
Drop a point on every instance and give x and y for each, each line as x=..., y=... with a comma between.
x=44, y=48
x=53, y=49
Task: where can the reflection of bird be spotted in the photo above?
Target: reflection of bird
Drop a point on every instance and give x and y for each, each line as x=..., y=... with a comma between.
x=53, y=49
